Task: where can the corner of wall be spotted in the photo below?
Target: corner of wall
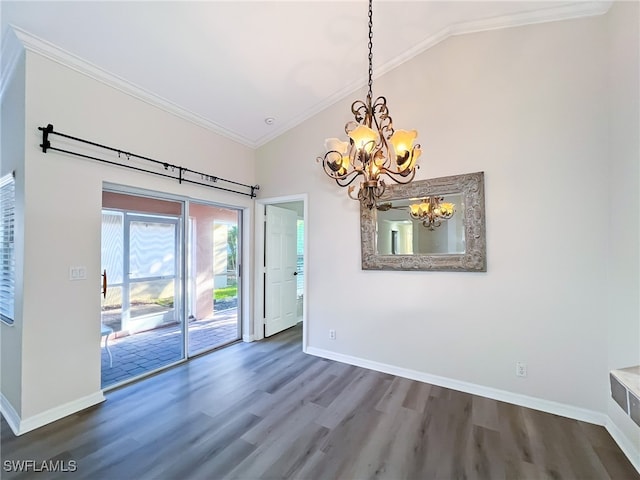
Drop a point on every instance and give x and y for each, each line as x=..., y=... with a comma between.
x=623, y=255
x=10, y=414
x=20, y=426
x=620, y=427
x=12, y=51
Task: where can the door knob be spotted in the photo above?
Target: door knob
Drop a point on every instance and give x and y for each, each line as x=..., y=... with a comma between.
x=295, y=273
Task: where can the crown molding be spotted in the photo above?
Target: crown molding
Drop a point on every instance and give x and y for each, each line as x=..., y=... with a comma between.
x=11, y=52
x=546, y=15
x=552, y=14
x=42, y=47
x=52, y=52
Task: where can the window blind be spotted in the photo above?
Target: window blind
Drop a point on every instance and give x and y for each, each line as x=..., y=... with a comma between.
x=7, y=251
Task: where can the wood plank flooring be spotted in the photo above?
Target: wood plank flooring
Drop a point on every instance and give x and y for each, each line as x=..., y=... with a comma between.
x=266, y=410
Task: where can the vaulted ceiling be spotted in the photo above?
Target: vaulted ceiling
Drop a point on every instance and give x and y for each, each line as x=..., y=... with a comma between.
x=229, y=65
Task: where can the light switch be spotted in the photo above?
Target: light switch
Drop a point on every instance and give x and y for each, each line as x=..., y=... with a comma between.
x=77, y=273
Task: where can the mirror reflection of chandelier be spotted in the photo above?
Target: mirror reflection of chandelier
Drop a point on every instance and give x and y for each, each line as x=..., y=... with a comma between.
x=431, y=211
x=367, y=151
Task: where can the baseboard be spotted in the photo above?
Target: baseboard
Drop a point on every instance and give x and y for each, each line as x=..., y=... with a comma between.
x=556, y=408
x=9, y=413
x=626, y=445
x=21, y=426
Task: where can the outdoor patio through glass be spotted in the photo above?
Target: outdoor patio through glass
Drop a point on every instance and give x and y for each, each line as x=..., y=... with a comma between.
x=145, y=248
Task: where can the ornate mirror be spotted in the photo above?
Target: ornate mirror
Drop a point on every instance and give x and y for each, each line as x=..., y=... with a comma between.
x=436, y=224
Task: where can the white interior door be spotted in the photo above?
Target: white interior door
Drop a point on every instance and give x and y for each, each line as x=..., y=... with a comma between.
x=280, y=266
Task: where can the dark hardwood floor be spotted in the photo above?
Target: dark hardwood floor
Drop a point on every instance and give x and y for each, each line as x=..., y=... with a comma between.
x=266, y=410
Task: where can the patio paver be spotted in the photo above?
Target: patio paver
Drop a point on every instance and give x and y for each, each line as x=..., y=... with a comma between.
x=144, y=352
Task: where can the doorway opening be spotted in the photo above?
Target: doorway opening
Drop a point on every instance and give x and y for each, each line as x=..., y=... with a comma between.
x=281, y=282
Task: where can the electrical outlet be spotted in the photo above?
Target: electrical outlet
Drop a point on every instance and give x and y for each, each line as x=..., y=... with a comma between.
x=521, y=369
x=332, y=334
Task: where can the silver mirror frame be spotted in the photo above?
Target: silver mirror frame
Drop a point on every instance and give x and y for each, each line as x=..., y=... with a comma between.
x=471, y=186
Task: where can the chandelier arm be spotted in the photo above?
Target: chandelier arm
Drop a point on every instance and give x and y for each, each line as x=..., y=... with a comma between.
x=340, y=178
x=384, y=166
x=344, y=180
x=399, y=177
x=350, y=193
x=380, y=113
x=384, y=125
x=327, y=162
x=327, y=158
x=361, y=113
x=429, y=223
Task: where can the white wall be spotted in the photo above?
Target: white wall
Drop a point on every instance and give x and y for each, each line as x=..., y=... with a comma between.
x=528, y=106
x=11, y=159
x=623, y=283
x=61, y=350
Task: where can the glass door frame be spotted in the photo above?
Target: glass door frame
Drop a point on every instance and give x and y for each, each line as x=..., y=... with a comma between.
x=190, y=233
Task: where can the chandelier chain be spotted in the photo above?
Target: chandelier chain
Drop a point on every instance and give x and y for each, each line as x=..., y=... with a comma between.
x=373, y=149
x=370, y=94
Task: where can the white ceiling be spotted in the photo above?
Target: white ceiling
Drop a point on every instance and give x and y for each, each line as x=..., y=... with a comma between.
x=228, y=65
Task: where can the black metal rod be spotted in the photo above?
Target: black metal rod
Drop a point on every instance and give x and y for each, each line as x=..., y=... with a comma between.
x=46, y=145
x=215, y=179
x=252, y=194
x=111, y=163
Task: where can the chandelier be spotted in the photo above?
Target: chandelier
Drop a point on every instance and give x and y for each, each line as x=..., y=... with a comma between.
x=367, y=152
x=431, y=211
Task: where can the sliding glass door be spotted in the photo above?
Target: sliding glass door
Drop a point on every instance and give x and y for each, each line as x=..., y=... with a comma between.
x=159, y=272
x=213, y=273
x=142, y=319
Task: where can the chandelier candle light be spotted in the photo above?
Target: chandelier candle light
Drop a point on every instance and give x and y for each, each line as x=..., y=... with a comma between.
x=367, y=151
x=430, y=211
